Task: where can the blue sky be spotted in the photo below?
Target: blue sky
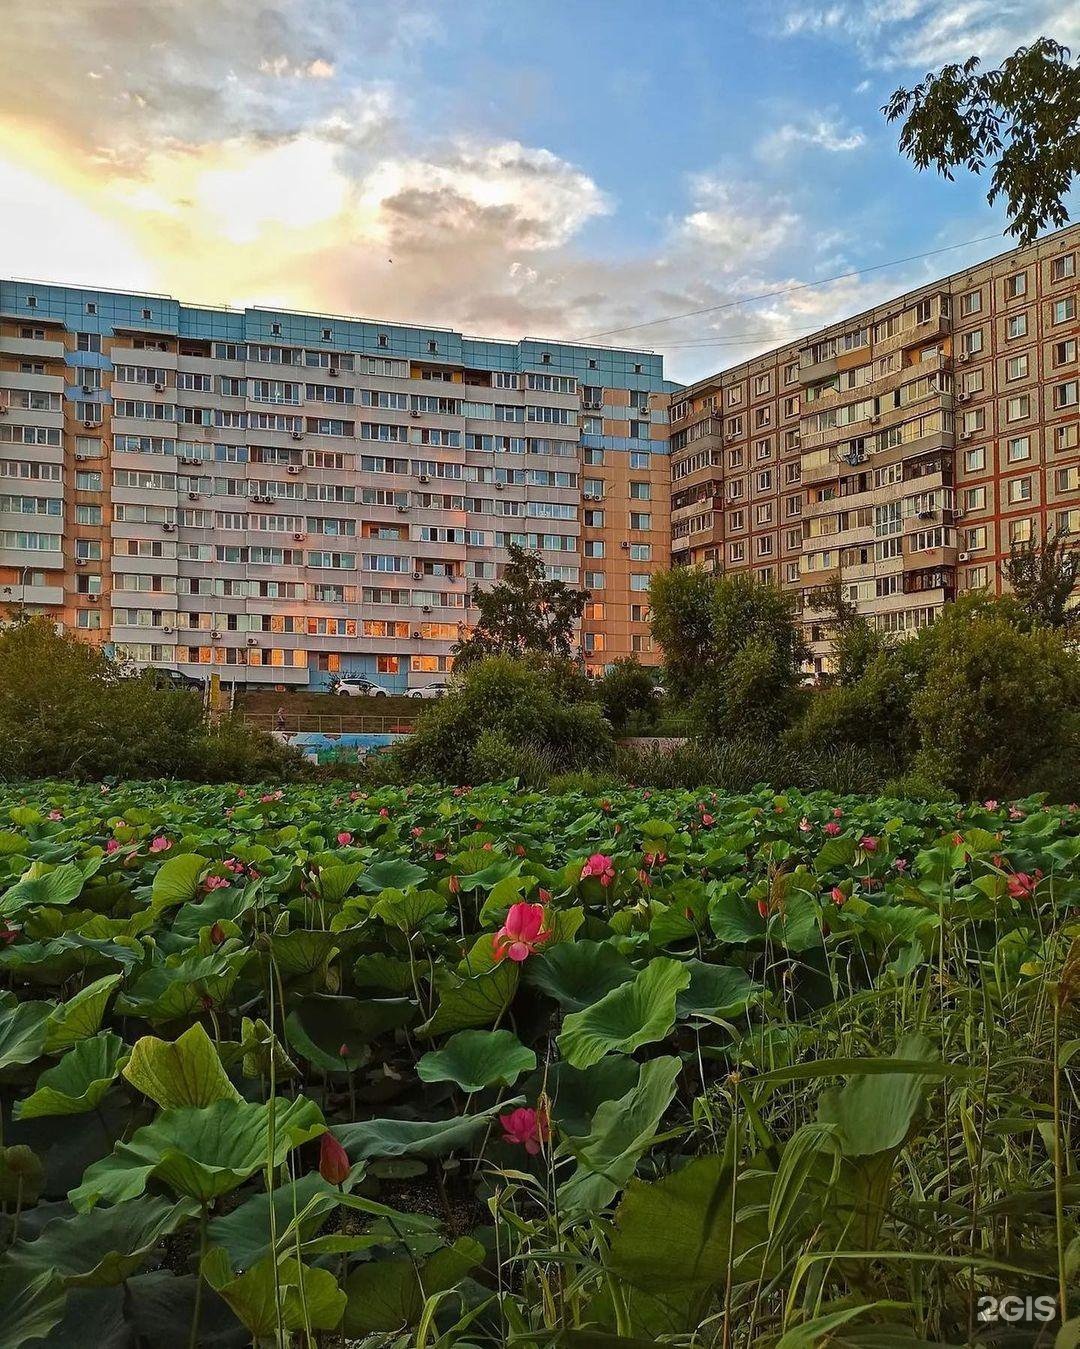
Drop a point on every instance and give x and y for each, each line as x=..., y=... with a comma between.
x=506, y=168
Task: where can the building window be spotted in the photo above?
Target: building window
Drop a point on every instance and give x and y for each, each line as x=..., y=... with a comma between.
x=91, y=307
x=975, y=460
x=1065, y=352
x=1019, y=490
x=1065, y=310
x=1016, y=326
x=971, y=303
x=973, y=342
x=1015, y=285
x=1016, y=367
x=1016, y=409
x=1018, y=448
x=1065, y=395
x=1064, y=267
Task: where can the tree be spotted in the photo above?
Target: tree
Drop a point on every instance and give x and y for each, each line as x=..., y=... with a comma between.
x=627, y=694
x=855, y=642
x=1022, y=120
x=998, y=713
x=524, y=614
x=733, y=650
x=1043, y=574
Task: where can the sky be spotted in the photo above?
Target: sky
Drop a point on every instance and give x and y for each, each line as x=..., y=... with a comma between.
x=504, y=168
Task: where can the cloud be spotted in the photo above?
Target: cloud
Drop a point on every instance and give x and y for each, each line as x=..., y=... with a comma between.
x=819, y=132
x=925, y=34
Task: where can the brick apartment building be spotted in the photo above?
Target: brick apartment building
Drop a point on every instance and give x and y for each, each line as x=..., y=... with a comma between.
x=902, y=450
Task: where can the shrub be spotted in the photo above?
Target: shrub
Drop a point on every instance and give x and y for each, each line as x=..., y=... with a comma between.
x=999, y=711
x=628, y=695
x=739, y=765
x=499, y=710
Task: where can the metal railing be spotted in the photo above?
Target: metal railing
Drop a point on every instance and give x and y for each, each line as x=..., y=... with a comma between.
x=293, y=723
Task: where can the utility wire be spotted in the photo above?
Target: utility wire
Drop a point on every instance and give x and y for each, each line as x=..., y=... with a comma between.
x=786, y=290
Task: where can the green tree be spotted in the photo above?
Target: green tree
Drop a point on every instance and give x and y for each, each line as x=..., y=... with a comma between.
x=733, y=650
x=854, y=641
x=628, y=695
x=998, y=713
x=502, y=715
x=1043, y=574
x=524, y=613
x=1021, y=120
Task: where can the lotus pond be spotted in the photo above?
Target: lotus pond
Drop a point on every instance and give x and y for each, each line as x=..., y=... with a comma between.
x=485, y=1067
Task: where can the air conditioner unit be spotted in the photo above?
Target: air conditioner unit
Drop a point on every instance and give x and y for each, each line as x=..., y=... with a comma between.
x=499, y=486
x=159, y=388
x=298, y=537
x=89, y=425
x=964, y=357
x=82, y=457
x=215, y=636
x=417, y=576
x=298, y=435
x=88, y=388
x=3, y=409
x=424, y=477
x=333, y=372
x=193, y=496
x=927, y=515
x=253, y=641
x=963, y=557
x=168, y=629
x=966, y=435
x=963, y=398
x=624, y=544
x=402, y=510
x=169, y=528
x=189, y=460
x=416, y=634
x=426, y=609
x=92, y=599
x=80, y=562
x=874, y=419
x=293, y=468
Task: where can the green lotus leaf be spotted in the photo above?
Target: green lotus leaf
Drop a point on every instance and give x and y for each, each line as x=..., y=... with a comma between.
x=390, y=874
x=475, y=1059
x=303, y=950
x=292, y=1296
x=377, y=1138
x=21, y=1175
x=336, y=881
x=873, y=1112
x=478, y=1000
x=718, y=990
x=176, y=881
x=631, y=1015
x=408, y=911
x=183, y=987
x=383, y=972
x=23, y=1028
x=81, y=1015
x=258, y=1046
x=575, y=1094
x=79, y=1081
x=183, y=1072
x=621, y=1131
x=30, y=1305
x=245, y=1232
x=334, y=1032
x=43, y=886
x=578, y=973
x=199, y=1153
x=387, y=1294
x=104, y=1247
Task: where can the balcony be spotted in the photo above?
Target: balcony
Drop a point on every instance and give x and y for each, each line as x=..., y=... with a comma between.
x=28, y=348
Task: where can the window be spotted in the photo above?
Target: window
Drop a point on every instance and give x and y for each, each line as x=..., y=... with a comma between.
x=971, y=303
x=640, y=491
x=1019, y=489
x=1063, y=267
x=973, y=342
x=1018, y=448
x=640, y=520
x=641, y=552
x=1016, y=367
x=975, y=499
x=593, y=548
x=975, y=460
x=975, y=538
x=1067, y=437
x=1065, y=395
x=88, y=515
x=89, y=619
x=1064, y=311
x=1017, y=408
x=91, y=307
x=87, y=482
x=88, y=341
x=1065, y=352
x=1015, y=285
x=762, y=385
x=1016, y=326
x=593, y=580
x=1020, y=531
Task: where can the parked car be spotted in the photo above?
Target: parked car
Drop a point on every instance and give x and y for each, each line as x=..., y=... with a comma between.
x=176, y=679
x=436, y=690
x=360, y=688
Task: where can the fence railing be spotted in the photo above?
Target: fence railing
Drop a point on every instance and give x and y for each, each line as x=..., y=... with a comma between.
x=293, y=723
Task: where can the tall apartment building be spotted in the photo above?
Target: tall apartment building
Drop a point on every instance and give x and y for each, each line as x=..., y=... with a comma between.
x=902, y=451
x=279, y=497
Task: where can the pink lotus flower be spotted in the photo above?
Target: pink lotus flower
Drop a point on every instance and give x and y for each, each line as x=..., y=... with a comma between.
x=901, y=864
x=160, y=844
x=837, y=895
x=333, y=1160
x=805, y=826
x=384, y=814
x=344, y=838
x=990, y=805
x=654, y=859
x=838, y=814
x=216, y=882
x=112, y=845
x=832, y=829
x=526, y=1128
x=416, y=831
x=1015, y=813
x=56, y=814
x=868, y=843
x=707, y=819
x=7, y=934
x=600, y=866
x=522, y=933
x=1022, y=885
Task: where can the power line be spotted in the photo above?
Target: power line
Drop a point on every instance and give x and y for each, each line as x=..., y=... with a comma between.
x=786, y=290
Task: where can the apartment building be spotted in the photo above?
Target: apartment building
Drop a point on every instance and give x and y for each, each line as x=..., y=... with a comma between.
x=283, y=497
x=902, y=451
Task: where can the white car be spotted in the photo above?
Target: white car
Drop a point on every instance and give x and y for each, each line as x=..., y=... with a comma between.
x=436, y=690
x=360, y=688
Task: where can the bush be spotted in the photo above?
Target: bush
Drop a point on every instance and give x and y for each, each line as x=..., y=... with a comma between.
x=69, y=710
x=628, y=695
x=740, y=765
x=502, y=716
x=998, y=713
x=874, y=712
